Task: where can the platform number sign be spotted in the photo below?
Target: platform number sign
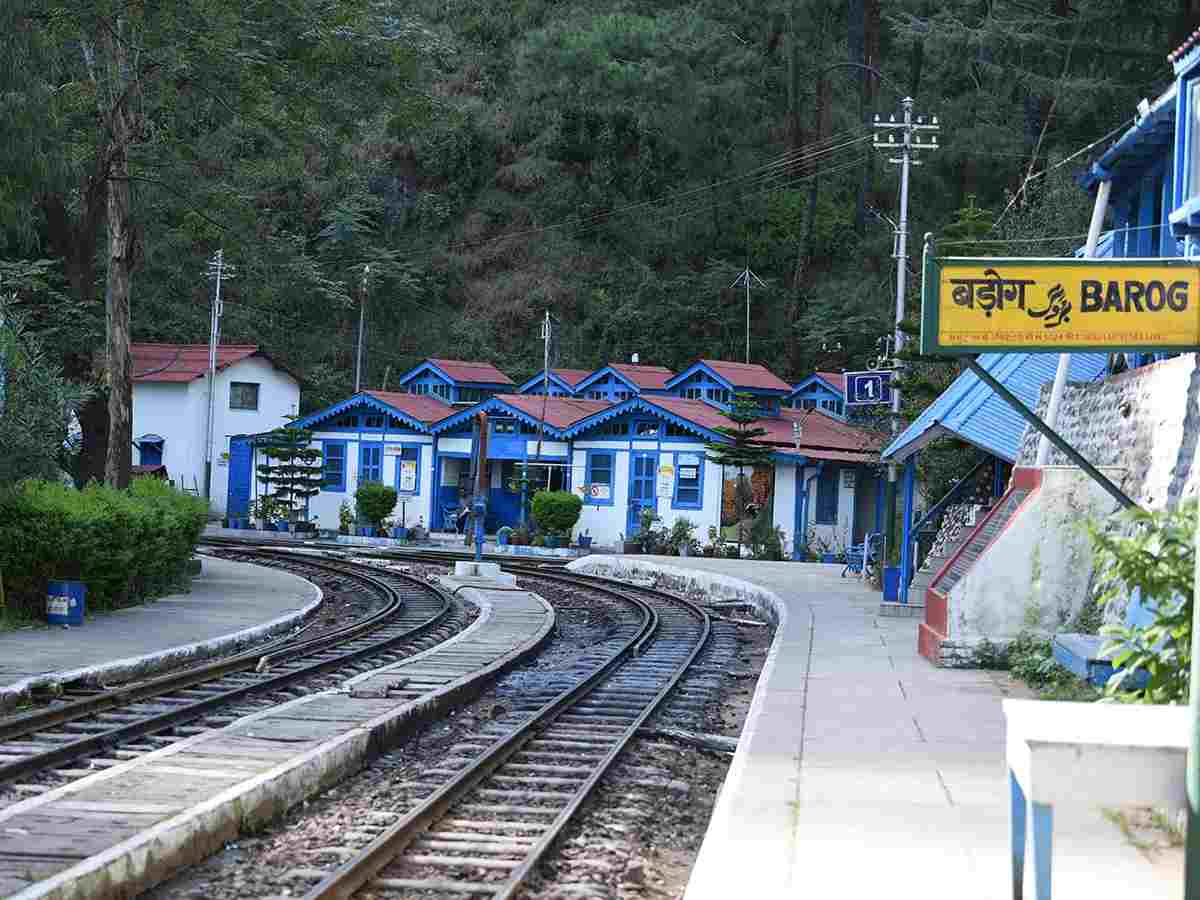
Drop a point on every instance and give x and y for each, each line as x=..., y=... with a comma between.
x=868, y=388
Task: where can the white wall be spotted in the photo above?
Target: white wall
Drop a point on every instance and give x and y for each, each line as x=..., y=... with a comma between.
x=178, y=411
x=836, y=536
x=785, y=504
x=605, y=524
x=324, y=506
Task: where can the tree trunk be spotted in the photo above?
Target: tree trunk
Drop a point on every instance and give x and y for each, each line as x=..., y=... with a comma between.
x=122, y=250
x=93, y=424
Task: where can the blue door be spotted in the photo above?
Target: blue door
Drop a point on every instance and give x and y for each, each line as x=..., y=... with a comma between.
x=237, y=499
x=643, y=469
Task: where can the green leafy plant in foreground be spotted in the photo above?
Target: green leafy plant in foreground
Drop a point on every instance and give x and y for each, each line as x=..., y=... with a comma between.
x=1156, y=558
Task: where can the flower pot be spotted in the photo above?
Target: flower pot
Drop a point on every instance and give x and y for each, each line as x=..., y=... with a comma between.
x=685, y=550
x=552, y=541
x=631, y=547
x=828, y=557
x=585, y=541
x=502, y=539
x=891, y=584
x=364, y=531
x=400, y=534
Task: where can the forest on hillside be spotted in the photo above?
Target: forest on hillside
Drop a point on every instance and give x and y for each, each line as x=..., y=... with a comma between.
x=615, y=162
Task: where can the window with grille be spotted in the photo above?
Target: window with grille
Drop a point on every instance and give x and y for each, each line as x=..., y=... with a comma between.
x=335, y=466
x=827, y=497
x=243, y=395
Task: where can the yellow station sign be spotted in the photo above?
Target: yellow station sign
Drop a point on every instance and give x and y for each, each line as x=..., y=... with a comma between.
x=973, y=305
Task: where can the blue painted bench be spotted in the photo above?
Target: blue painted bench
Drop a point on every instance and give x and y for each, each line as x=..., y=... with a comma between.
x=865, y=556
x=1081, y=653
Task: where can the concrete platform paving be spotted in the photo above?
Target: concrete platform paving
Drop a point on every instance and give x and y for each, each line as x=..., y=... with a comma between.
x=229, y=602
x=863, y=771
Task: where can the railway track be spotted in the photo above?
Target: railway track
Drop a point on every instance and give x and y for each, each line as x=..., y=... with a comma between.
x=128, y=720
x=479, y=825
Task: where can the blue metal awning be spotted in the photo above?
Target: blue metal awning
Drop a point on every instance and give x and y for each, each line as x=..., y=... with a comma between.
x=1141, y=144
x=970, y=411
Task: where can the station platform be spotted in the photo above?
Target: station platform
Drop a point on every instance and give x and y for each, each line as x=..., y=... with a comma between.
x=862, y=770
x=229, y=603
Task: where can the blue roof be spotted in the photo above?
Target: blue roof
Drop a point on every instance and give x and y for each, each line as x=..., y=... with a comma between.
x=970, y=411
x=1145, y=141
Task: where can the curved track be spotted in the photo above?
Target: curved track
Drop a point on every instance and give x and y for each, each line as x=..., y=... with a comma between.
x=414, y=616
x=501, y=810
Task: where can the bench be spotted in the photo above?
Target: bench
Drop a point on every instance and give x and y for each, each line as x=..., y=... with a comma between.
x=1107, y=755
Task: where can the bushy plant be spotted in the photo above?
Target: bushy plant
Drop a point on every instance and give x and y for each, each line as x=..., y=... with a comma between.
x=1156, y=556
x=375, y=501
x=119, y=543
x=557, y=512
x=683, y=533
x=766, y=539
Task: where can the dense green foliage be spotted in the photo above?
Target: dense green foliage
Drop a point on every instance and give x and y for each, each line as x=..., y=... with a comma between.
x=122, y=544
x=375, y=501
x=616, y=162
x=1155, y=555
x=556, y=512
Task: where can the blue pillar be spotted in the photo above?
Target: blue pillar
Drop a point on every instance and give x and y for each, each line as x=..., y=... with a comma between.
x=798, y=513
x=906, y=548
x=1017, y=831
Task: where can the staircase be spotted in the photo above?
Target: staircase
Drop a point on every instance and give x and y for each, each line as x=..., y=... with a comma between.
x=956, y=527
x=977, y=540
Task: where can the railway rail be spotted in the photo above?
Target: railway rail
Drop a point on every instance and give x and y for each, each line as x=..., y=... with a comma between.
x=415, y=615
x=507, y=797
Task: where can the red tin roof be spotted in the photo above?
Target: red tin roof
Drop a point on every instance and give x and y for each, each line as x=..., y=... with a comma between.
x=571, y=376
x=837, y=379
x=421, y=407
x=184, y=362
x=561, y=412
x=822, y=436
x=466, y=372
x=650, y=378
x=747, y=375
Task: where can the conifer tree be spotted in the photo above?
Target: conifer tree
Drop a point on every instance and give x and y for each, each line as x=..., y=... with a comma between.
x=745, y=450
x=294, y=471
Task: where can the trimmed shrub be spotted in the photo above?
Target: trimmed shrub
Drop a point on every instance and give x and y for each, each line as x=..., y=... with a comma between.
x=120, y=543
x=375, y=501
x=556, y=511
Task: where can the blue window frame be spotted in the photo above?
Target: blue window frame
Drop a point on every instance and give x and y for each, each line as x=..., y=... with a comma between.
x=827, y=497
x=599, y=474
x=689, y=481
x=335, y=466
x=410, y=453
x=370, y=463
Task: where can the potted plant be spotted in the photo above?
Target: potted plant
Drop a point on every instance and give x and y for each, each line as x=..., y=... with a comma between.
x=539, y=540
x=375, y=501
x=682, y=540
x=585, y=540
x=629, y=546
x=503, y=534
x=345, y=517
x=519, y=536
x=399, y=532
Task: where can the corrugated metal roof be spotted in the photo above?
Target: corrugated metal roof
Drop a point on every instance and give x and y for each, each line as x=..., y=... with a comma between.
x=970, y=411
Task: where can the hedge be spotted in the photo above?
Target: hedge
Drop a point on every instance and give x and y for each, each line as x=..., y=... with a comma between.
x=121, y=544
x=556, y=511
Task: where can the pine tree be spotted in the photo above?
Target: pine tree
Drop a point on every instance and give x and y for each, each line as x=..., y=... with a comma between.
x=295, y=470
x=745, y=450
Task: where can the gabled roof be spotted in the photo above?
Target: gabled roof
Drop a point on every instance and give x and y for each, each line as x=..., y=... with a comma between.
x=187, y=362
x=970, y=411
x=736, y=376
x=422, y=407
x=567, y=379
x=460, y=371
x=822, y=436
x=561, y=412
x=834, y=381
x=637, y=376
x=419, y=412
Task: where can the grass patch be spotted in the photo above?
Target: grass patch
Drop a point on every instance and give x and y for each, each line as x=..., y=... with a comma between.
x=1029, y=659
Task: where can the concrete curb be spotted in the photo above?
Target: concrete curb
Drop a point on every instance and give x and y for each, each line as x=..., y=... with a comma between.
x=710, y=870
x=131, y=667
x=151, y=856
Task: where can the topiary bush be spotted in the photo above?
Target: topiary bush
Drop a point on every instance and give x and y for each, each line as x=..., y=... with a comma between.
x=375, y=502
x=119, y=543
x=556, y=511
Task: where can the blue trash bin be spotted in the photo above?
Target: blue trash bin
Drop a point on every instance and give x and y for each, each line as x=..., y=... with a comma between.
x=65, y=602
x=891, y=584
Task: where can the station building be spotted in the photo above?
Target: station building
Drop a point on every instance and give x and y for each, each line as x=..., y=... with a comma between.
x=625, y=437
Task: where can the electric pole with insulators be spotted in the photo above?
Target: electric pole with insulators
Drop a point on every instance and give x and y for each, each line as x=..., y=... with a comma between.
x=745, y=278
x=362, y=320
x=218, y=271
x=913, y=136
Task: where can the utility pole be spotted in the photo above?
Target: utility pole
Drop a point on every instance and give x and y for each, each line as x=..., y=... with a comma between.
x=547, y=328
x=362, y=317
x=911, y=140
x=744, y=279
x=218, y=271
